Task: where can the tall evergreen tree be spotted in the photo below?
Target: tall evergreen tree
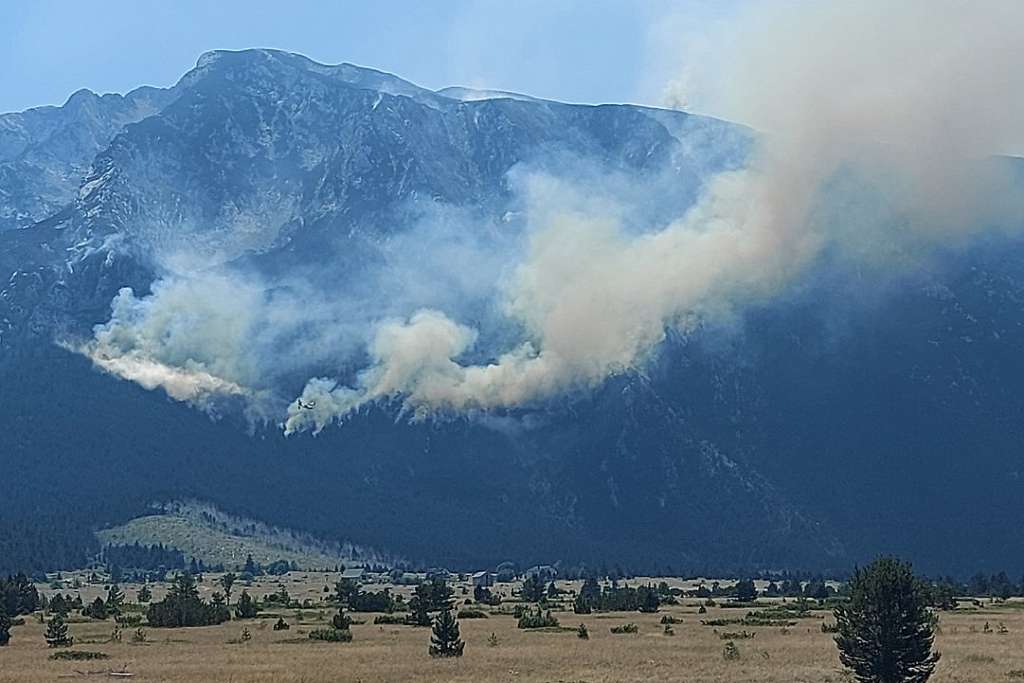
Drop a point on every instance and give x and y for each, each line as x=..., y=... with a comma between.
x=246, y=607
x=581, y=605
x=746, y=591
x=445, y=640
x=5, y=626
x=227, y=581
x=57, y=632
x=115, y=599
x=885, y=631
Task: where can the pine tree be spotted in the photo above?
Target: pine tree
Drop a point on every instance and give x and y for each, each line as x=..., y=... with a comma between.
x=650, y=601
x=418, y=615
x=251, y=568
x=226, y=582
x=444, y=639
x=581, y=605
x=5, y=626
x=115, y=599
x=246, y=607
x=59, y=605
x=746, y=591
x=97, y=609
x=885, y=631
x=145, y=594
x=341, y=621
x=57, y=632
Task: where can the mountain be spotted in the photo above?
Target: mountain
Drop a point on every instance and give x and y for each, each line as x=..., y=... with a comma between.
x=812, y=433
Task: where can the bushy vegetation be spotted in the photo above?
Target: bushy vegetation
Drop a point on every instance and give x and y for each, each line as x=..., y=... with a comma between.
x=78, y=656
x=472, y=614
x=616, y=598
x=331, y=635
x=184, y=607
x=537, y=619
x=18, y=595
x=246, y=607
x=392, y=619
x=625, y=628
x=143, y=558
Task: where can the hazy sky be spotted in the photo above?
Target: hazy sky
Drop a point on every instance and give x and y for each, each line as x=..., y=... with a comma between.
x=584, y=51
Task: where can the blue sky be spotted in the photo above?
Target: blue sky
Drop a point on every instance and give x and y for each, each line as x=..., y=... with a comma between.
x=585, y=51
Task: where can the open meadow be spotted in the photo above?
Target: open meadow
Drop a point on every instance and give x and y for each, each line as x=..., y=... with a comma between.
x=980, y=643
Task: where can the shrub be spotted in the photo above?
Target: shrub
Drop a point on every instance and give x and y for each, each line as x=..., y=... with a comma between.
x=537, y=619
x=669, y=619
x=736, y=635
x=78, y=656
x=702, y=610
x=625, y=628
x=281, y=625
x=97, y=609
x=331, y=635
x=582, y=632
x=492, y=641
x=829, y=628
x=730, y=652
x=128, y=619
x=472, y=614
x=139, y=636
x=669, y=631
x=394, y=619
x=341, y=621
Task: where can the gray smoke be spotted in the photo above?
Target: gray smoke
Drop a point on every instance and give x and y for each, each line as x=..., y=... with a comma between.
x=878, y=121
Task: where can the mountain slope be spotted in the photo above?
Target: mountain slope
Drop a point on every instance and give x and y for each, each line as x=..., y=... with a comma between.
x=794, y=438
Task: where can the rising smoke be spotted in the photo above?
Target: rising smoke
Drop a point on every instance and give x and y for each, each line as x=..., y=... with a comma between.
x=903, y=101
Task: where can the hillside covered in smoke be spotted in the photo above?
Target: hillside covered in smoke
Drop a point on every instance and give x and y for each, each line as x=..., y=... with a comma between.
x=464, y=328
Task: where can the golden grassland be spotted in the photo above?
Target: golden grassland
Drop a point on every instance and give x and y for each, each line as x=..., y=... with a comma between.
x=801, y=653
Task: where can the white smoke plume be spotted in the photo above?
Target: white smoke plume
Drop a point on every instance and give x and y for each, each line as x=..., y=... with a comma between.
x=877, y=120
x=907, y=97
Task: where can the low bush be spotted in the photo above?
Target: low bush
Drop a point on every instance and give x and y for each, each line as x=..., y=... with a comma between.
x=625, y=628
x=472, y=614
x=78, y=656
x=393, y=619
x=537, y=619
x=331, y=635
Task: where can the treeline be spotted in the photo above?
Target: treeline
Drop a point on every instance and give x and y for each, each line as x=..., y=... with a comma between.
x=142, y=558
x=46, y=543
x=18, y=595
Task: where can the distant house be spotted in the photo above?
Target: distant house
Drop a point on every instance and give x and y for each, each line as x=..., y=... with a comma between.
x=354, y=574
x=483, y=580
x=542, y=572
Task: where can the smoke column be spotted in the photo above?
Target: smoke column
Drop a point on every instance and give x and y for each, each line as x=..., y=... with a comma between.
x=910, y=96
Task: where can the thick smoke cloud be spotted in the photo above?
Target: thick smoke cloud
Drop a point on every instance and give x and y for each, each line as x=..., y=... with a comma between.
x=905, y=100
x=878, y=121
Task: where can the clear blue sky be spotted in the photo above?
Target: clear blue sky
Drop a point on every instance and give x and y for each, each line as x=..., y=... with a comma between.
x=584, y=51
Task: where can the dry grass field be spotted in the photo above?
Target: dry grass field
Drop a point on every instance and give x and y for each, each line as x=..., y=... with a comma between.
x=801, y=653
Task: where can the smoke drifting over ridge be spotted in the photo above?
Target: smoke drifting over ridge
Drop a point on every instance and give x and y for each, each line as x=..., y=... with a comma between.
x=899, y=102
x=912, y=96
